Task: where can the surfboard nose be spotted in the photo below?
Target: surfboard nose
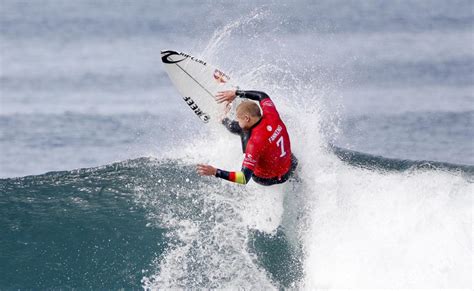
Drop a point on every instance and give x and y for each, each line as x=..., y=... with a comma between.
x=168, y=51
x=197, y=82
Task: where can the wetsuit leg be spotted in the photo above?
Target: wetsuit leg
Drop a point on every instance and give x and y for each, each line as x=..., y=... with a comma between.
x=272, y=181
x=293, y=170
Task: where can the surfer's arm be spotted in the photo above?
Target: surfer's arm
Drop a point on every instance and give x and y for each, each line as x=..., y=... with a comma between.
x=241, y=177
x=253, y=95
x=232, y=126
x=229, y=95
x=267, y=105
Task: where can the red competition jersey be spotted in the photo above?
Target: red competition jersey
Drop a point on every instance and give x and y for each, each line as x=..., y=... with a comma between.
x=268, y=152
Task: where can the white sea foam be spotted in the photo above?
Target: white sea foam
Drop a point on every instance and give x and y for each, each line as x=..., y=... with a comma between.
x=389, y=230
x=358, y=228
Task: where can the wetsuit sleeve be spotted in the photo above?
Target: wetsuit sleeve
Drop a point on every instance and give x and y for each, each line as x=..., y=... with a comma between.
x=253, y=95
x=232, y=126
x=266, y=103
x=252, y=154
x=241, y=177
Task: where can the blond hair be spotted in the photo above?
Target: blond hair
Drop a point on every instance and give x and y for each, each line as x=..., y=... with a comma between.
x=250, y=108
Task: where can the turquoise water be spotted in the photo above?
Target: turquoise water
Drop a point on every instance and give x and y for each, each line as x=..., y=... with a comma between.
x=86, y=229
x=75, y=229
x=106, y=227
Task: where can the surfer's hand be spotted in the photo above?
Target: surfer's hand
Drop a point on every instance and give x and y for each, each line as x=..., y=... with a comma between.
x=223, y=96
x=206, y=170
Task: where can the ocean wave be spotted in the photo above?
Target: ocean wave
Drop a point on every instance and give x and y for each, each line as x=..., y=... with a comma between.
x=109, y=226
x=375, y=162
x=154, y=223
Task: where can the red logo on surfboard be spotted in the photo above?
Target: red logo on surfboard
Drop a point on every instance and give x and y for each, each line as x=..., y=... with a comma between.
x=220, y=77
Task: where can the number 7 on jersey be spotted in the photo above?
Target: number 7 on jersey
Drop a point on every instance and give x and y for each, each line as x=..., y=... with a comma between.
x=281, y=145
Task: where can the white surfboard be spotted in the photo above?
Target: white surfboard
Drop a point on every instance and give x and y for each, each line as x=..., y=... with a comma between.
x=198, y=82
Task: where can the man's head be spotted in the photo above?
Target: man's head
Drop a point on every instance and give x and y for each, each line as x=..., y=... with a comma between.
x=248, y=113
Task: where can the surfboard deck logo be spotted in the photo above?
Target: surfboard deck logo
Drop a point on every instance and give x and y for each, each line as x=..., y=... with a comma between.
x=220, y=76
x=181, y=57
x=165, y=57
x=194, y=107
x=197, y=81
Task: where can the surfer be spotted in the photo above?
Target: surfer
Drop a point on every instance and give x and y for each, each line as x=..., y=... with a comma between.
x=265, y=141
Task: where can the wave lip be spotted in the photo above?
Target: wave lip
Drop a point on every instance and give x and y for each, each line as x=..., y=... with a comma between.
x=374, y=162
